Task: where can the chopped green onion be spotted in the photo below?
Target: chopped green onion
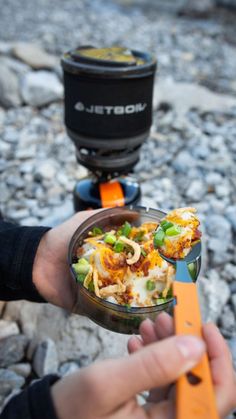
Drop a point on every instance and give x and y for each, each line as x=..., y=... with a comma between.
x=119, y=232
x=109, y=238
x=159, y=237
x=97, y=231
x=81, y=267
x=83, y=261
x=173, y=231
x=81, y=277
x=169, y=294
x=126, y=229
x=118, y=247
x=139, y=236
x=161, y=300
x=166, y=224
x=143, y=252
x=150, y=285
x=91, y=286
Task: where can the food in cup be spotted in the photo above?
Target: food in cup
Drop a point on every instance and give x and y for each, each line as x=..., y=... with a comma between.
x=177, y=233
x=121, y=264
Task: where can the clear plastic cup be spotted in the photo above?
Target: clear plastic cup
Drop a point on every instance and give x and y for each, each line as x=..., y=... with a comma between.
x=115, y=317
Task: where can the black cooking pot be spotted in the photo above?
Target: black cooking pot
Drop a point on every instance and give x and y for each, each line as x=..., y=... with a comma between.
x=108, y=100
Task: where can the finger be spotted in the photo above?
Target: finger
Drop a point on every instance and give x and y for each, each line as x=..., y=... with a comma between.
x=134, y=344
x=223, y=374
x=164, y=325
x=151, y=332
x=148, y=332
x=162, y=328
x=157, y=364
x=218, y=353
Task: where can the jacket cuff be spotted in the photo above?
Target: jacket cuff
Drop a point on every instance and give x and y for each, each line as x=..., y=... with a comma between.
x=23, y=244
x=33, y=403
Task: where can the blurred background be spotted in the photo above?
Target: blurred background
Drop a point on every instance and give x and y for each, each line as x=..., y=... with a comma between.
x=189, y=158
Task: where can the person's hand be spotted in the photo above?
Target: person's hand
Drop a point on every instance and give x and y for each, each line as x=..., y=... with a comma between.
x=51, y=274
x=107, y=390
x=223, y=374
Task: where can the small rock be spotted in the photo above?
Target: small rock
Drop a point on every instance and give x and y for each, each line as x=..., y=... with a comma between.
x=227, y=321
x=30, y=221
x=17, y=214
x=23, y=369
x=219, y=250
x=9, y=88
x=232, y=347
x=5, y=193
x=68, y=368
x=233, y=299
x=8, y=328
x=231, y=216
x=72, y=332
x=34, y=55
x=213, y=178
x=9, y=381
x=218, y=226
x=40, y=88
x=5, y=47
x=18, y=68
x=229, y=272
x=45, y=358
x=232, y=286
x=46, y=169
x=58, y=215
x=26, y=153
x=184, y=162
x=12, y=349
x=223, y=190
x=214, y=294
x=196, y=190
x=186, y=96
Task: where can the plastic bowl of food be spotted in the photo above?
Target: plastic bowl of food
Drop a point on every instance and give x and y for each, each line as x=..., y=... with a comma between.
x=112, y=316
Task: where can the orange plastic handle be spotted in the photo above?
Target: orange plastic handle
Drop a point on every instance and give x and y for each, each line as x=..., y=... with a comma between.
x=195, y=395
x=111, y=194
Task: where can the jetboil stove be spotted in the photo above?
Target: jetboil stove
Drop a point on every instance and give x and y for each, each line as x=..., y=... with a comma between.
x=108, y=115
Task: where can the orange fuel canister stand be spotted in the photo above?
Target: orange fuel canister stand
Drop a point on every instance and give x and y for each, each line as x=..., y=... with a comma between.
x=111, y=194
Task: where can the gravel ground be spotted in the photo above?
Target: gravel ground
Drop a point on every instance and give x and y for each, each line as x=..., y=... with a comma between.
x=191, y=152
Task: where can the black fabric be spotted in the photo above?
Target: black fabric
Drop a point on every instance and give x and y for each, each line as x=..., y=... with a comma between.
x=33, y=403
x=18, y=246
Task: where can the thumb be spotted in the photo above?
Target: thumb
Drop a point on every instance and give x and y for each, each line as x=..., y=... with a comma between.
x=155, y=365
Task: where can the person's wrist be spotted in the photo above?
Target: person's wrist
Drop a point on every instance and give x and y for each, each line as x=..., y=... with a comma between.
x=40, y=265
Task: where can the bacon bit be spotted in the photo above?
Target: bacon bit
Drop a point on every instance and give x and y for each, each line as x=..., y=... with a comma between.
x=145, y=267
x=197, y=235
x=136, y=266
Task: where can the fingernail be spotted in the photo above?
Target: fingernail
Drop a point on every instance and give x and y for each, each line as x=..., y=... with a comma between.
x=190, y=347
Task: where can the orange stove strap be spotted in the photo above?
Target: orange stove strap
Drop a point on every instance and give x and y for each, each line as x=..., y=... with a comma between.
x=111, y=194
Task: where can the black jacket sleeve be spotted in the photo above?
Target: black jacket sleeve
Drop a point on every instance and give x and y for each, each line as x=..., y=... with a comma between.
x=18, y=246
x=33, y=403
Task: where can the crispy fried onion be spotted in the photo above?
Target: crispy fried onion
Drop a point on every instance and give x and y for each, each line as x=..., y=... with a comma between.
x=112, y=289
x=169, y=279
x=88, y=278
x=135, y=246
x=95, y=282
